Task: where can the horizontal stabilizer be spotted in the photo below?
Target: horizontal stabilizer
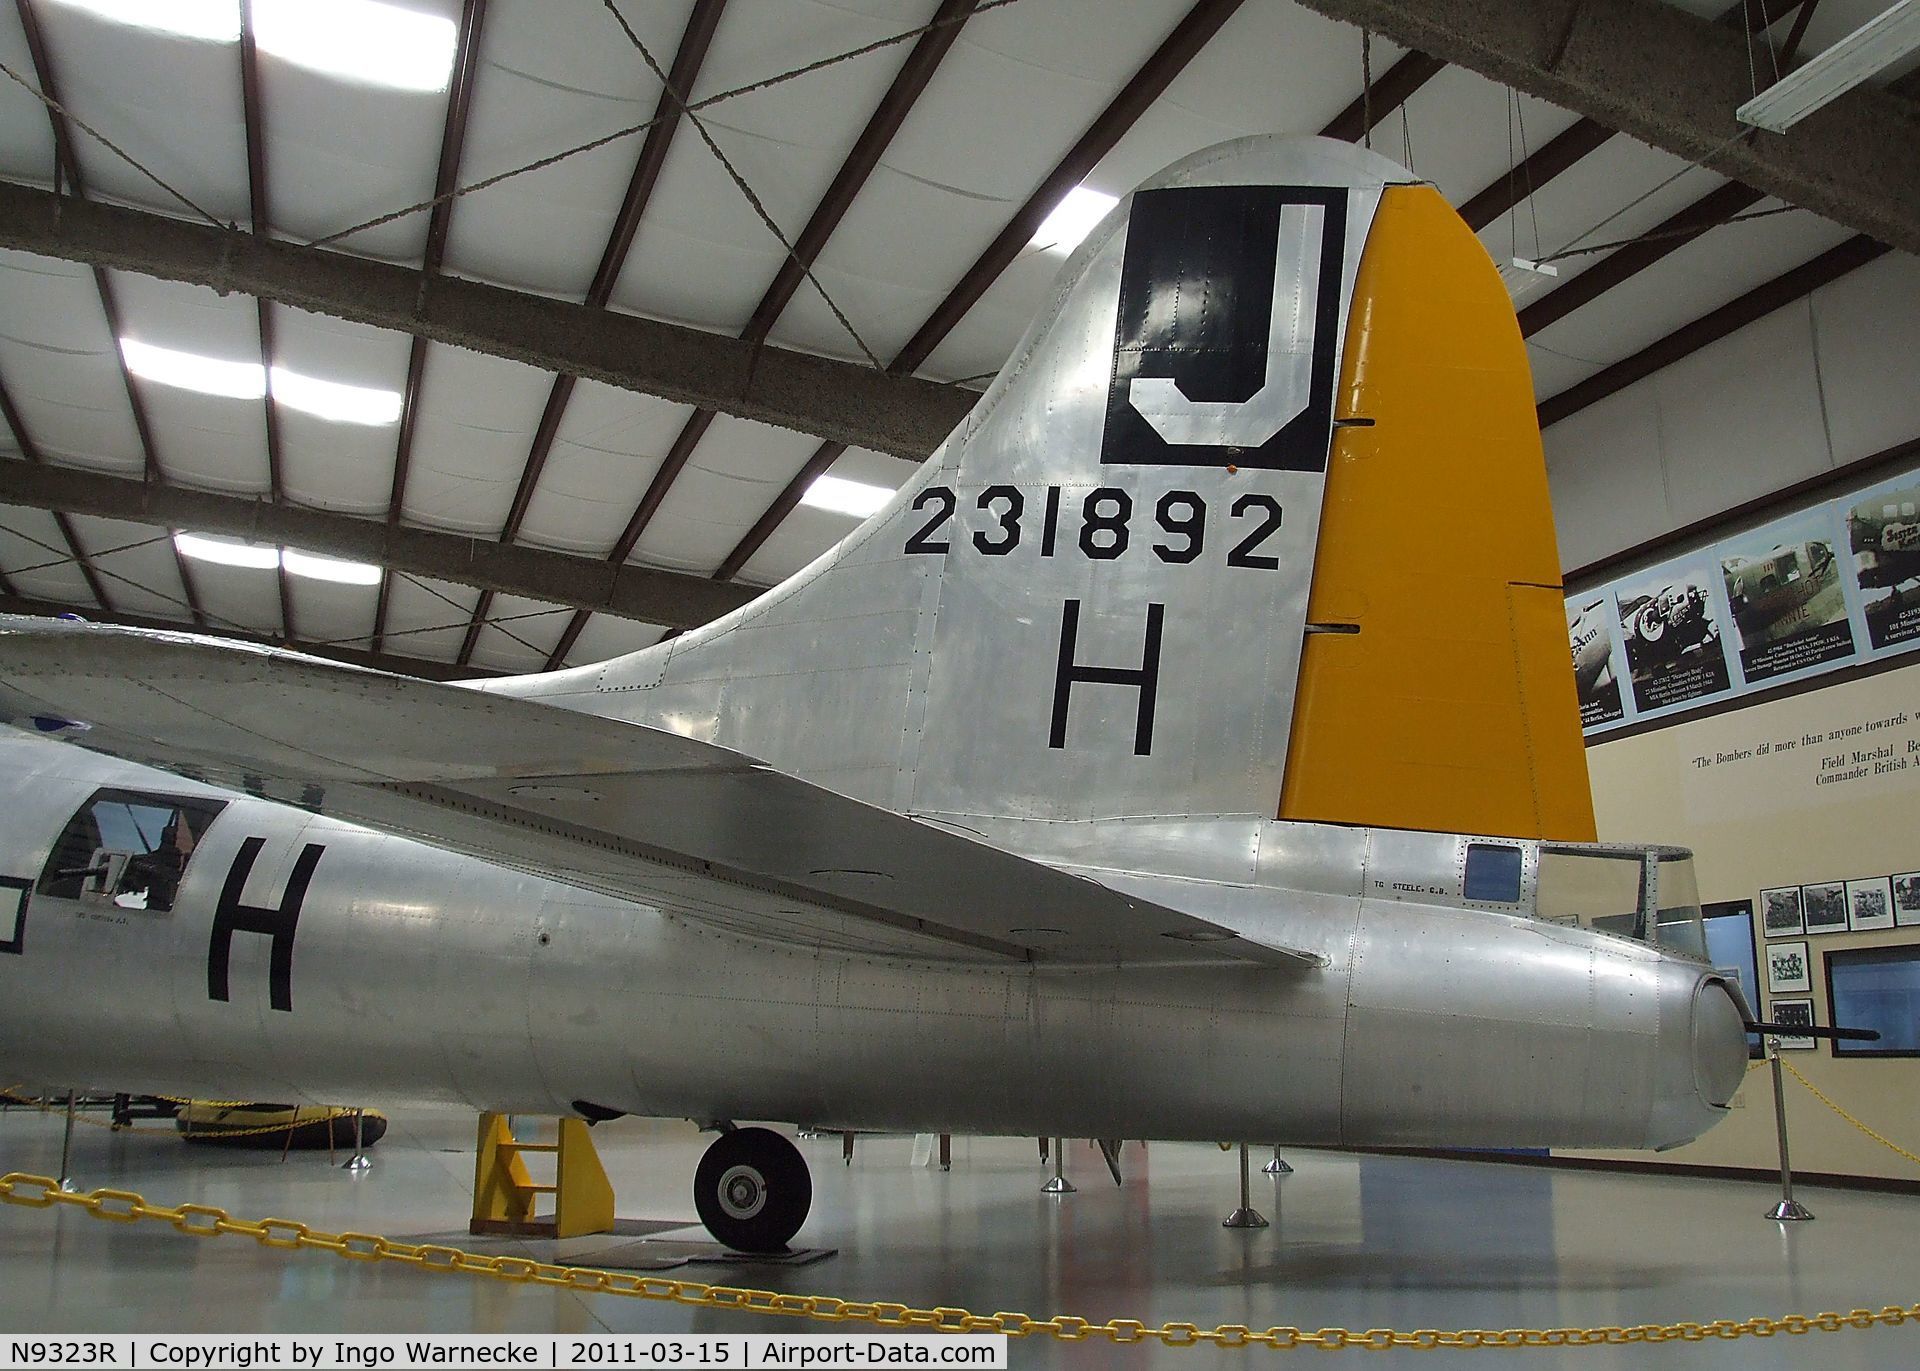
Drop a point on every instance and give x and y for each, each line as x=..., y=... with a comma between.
x=636, y=812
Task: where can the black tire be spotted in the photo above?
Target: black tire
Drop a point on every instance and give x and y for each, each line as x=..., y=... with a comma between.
x=753, y=1190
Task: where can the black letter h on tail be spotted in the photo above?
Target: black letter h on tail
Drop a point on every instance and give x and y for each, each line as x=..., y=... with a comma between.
x=1146, y=680
x=233, y=917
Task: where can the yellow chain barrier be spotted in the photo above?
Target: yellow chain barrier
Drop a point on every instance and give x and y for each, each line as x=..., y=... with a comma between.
x=1821, y=1096
x=205, y=1221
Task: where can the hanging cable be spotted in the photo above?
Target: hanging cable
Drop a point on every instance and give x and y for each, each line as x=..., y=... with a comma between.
x=765, y=83
x=700, y=127
x=1366, y=88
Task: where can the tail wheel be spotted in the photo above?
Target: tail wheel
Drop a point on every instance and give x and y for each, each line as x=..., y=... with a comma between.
x=753, y=1190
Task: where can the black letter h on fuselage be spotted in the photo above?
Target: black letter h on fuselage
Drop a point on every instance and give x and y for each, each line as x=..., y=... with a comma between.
x=231, y=917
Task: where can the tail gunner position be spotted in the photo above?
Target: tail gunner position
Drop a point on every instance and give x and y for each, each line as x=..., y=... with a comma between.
x=1189, y=750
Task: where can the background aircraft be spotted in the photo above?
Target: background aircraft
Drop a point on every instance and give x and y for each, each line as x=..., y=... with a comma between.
x=1109, y=782
x=1788, y=590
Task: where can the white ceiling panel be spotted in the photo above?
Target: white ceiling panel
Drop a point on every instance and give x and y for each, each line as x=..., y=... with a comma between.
x=1555, y=371
x=327, y=612
x=1688, y=282
x=703, y=253
x=213, y=441
x=808, y=532
x=61, y=366
x=233, y=596
x=322, y=462
x=520, y=634
x=30, y=538
x=340, y=152
x=1620, y=189
x=172, y=103
x=726, y=486
x=606, y=636
x=1457, y=124
x=427, y=618
x=609, y=445
x=26, y=133
x=1014, y=93
x=1868, y=333
x=1607, y=477
x=135, y=564
x=540, y=88
x=1741, y=417
x=470, y=444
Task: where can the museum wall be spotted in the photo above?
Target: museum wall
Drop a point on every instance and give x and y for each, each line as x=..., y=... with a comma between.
x=1770, y=796
x=1825, y=381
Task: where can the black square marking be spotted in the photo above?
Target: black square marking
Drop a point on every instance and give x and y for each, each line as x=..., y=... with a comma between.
x=13, y=913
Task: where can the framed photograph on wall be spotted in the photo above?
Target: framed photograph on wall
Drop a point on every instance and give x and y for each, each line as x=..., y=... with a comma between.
x=1869, y=905
x=1787, y=970
x=1781, y=911
x=1906, y=899
x=1826, y=906
x=1798, y=1012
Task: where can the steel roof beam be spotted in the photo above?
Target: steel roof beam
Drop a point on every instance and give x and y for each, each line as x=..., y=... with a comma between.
x=772, y=385
x=671, y=598
x=1673, y=79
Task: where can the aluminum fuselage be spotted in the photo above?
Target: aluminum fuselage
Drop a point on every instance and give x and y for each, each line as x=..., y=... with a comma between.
x=419, y=974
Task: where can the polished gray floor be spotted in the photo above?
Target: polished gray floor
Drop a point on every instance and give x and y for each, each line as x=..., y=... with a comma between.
x=1355, y=1242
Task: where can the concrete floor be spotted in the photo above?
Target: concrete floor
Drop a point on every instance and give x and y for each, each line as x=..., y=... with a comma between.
x=1355, y=1242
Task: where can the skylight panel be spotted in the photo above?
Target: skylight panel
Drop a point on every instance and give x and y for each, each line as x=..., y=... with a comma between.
x=1077, y=215
x=321, y=568
x=335, y=400
x=841, y=496
x=227, y=551
x=190, y=371
x=214, y=21
x=359, y=40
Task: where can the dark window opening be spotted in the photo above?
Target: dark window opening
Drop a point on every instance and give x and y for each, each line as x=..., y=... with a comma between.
x=1876, y=987
x=128, y=849
x=1493, y=873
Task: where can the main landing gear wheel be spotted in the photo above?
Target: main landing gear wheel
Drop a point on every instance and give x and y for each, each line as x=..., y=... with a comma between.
x=752, y=1190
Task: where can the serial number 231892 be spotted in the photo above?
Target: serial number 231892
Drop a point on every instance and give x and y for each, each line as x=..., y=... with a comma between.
x=1176, y=531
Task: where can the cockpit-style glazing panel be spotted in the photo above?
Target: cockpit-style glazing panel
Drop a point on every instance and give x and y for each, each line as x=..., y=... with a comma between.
x=128, y=848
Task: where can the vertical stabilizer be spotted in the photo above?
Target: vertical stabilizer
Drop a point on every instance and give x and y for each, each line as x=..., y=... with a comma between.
x=1092, y=601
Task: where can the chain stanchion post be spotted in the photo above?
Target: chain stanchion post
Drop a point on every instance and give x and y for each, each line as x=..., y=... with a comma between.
x=1246, y=1216
x=1789, y=1207
x=1059, y=1184
x=359, y=1161
x=1278, y=1166
x=66, y=1148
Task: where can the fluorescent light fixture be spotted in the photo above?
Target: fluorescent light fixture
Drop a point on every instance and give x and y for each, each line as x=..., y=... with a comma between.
x=1525, y=278
x=841, y=496
x=227, y=551
x=216, y=21
x=1875, y=45
x=360, y=40
x=333, y=400
x=329, y=568
x=190, y=371
x=1072, y=220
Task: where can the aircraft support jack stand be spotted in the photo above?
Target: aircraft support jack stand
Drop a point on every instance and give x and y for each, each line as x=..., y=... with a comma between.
x=504, y=1193
x=1789, y=1207
x=66, y=1148
x=1278, y=1166
x=359, y=1161
x=1059, y=1184
x=1246, y=1216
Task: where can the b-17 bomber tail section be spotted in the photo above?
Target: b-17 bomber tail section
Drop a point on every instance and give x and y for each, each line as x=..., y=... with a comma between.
x=1252, y=523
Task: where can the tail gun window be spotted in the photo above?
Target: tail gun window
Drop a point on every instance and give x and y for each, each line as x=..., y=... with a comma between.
x=128, y=849
x=1493, y=873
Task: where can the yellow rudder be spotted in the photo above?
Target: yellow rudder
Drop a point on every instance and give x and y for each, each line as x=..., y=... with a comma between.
x=1453, y=706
